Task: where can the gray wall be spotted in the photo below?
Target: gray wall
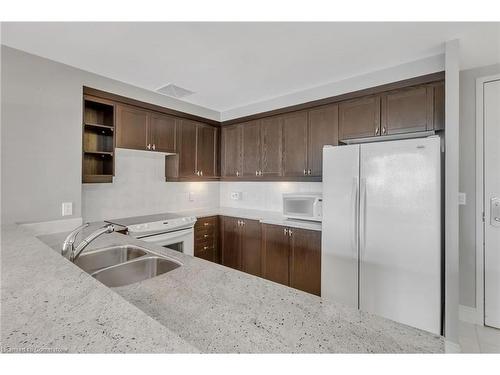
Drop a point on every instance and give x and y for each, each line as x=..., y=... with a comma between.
x=468, y=180
x=41, y=115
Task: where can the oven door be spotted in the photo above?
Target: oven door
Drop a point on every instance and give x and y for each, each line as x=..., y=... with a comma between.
x=181, y=240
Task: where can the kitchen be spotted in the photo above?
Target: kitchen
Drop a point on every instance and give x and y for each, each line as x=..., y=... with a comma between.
x=311, y=223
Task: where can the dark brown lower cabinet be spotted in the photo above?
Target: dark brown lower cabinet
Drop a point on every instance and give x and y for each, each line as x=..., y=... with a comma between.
x=230, y=242
x=241, y=244
x=275, y=254
x=206, y=239
x=305, y=260
x=250, y=247
x=292, y=257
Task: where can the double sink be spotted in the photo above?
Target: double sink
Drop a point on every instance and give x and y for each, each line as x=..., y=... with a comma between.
x=123, y=265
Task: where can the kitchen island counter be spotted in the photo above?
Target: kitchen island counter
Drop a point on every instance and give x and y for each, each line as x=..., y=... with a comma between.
x=199, y=307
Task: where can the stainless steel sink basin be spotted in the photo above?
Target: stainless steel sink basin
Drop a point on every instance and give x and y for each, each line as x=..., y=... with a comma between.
x=92, y=261
x=135, y=270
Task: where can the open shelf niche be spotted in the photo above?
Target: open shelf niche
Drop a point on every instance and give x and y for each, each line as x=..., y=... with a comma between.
x=98, y=140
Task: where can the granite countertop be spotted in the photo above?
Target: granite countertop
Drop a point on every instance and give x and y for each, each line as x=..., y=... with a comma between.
x=266, y=217
x=48, y=303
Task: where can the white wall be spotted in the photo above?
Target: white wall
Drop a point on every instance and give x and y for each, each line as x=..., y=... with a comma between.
x=468, y=180
x=263, y=195
x=41, y=115
x=139, y=188
x=412, y=69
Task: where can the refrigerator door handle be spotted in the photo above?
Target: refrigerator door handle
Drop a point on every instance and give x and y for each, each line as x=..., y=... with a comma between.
x=355, y=214
x=362, y=213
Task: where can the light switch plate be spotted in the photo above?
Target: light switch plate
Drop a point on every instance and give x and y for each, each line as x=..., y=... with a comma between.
x=462, y=199
x=191, y=196
x=236, y=195
x=67, y=208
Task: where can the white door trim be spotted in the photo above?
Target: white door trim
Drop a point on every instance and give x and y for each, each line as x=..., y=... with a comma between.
x=480, y=194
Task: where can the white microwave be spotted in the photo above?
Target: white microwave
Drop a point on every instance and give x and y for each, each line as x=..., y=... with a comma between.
x=303, y=206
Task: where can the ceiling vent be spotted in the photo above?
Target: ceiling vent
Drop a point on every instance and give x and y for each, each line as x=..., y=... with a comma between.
x=174, y=91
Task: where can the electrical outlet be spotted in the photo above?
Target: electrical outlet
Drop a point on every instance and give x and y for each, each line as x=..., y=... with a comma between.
x=462, y=199
x=67, y=208
x=236, y=195
x=191, y=196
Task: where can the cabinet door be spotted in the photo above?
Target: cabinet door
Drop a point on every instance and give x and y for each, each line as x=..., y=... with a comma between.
x=407, y=110
x=231, y=255
x=359, y=118
x=206, y=150
x=250, y=247
x=131, y=128
x=231, y=151
x=295, y=144
x=323, y=130
x=305, y=260
x=250, y=153
x=275, y=254
x=271, y=131
x=186, y=132
x=162, y=130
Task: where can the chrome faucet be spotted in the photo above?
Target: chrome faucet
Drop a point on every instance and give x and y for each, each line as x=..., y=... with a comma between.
x=68, y=248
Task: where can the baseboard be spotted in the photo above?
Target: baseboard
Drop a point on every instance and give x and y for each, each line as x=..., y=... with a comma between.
x=54, y=226
x=469, y=314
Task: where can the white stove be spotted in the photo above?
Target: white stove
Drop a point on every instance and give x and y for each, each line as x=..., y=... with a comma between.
x=167, y=230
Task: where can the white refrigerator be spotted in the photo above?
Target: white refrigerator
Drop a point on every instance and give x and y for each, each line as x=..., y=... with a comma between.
x=381, y=238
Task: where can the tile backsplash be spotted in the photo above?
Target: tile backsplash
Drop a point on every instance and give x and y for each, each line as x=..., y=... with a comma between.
x=263, y=195
x=139, y=188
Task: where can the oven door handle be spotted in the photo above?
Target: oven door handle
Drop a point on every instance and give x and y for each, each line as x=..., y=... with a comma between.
x=171, y=236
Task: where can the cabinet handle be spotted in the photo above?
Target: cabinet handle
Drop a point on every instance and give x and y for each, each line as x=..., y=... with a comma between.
x=305, y=171
x=285, y=232
x=205, y=247
x=205, y=235
x=260, y=173
x=383, y=130
x=290, y=232
x=148, y=146
x=242, y=222
x=201, y=173
x=154, y=147
x=256, y=173
x=237, y=174
x=206, y=224
x=309, y=172
x=376, y=131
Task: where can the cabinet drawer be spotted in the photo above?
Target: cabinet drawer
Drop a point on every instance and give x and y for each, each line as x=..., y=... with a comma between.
x=206, y=222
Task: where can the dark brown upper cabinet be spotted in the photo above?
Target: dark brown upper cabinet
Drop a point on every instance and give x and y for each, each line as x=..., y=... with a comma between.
x=251, y=149
x=408, y=110
x=162, y=132
x=206, y=151
x=139, y=129
x=271, y=133
x=323, y=130
x=295, y=131
x=196, y=157
x=132, y=127
x=359, y=118
x=305, y=260
x=186, y=149
x=231, y=151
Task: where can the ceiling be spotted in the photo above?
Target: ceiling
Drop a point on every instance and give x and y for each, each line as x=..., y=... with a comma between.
x=229, y=65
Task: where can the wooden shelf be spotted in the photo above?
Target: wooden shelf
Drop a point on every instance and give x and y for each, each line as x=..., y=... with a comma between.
x=98, y=140
x=97, y=178
x=99, y=152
